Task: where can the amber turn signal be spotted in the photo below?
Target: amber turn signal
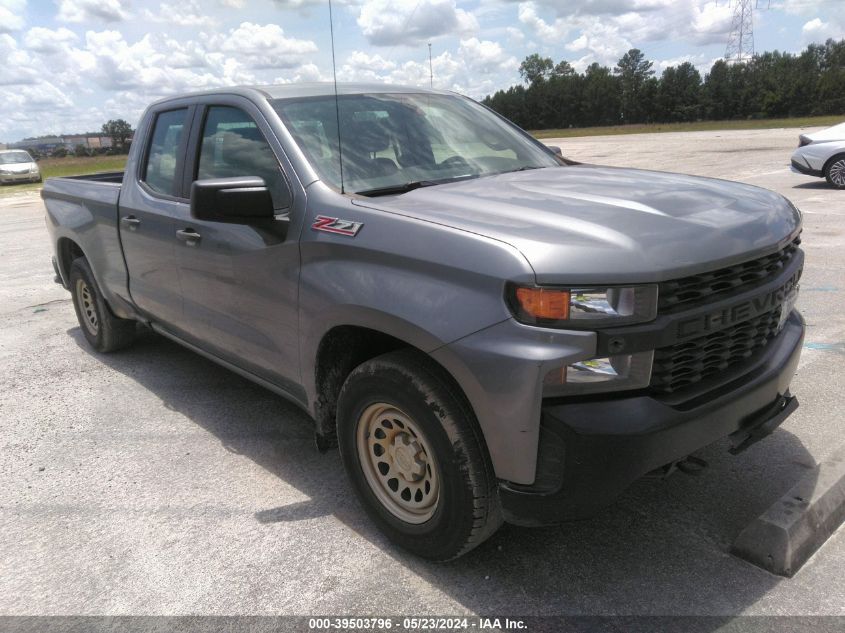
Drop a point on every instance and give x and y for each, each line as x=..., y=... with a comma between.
x=544, y=303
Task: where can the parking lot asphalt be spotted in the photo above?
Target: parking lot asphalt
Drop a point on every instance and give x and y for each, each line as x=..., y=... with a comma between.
x=152, y=481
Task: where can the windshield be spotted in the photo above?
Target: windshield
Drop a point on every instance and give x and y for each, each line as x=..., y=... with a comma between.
x=392, y=140
x=9, y=158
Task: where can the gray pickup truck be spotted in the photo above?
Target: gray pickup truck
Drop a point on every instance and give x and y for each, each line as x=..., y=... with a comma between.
x=487, y=331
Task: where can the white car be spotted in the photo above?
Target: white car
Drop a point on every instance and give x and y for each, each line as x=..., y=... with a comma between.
x=16, y=165
x=822, y=154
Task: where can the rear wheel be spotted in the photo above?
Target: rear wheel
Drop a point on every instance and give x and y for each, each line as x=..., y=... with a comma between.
x=103, y=331
x=412, y=449
x=834, y=171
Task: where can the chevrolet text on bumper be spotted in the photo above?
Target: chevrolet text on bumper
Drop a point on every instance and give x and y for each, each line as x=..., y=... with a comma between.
x=485, y=330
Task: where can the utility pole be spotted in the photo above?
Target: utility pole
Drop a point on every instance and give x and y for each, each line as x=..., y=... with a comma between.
x=741, y=39
x=430, y=67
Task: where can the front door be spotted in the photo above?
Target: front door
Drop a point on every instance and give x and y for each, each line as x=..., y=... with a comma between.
x=239, y=279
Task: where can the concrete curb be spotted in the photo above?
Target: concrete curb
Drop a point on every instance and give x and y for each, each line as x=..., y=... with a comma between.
x=784, y=537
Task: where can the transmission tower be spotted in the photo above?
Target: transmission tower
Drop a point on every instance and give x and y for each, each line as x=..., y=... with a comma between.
x=741, y=40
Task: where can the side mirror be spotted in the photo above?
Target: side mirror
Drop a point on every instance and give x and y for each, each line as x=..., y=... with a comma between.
x=232, y=199
x=555, y=150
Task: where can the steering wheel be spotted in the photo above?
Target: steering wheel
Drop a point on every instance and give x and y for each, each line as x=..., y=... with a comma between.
x=454, y=161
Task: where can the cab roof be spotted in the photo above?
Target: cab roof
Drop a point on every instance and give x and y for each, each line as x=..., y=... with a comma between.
x=313, y=89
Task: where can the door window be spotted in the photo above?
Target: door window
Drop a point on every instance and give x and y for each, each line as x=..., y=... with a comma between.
x=163, y=157
x=232, y=146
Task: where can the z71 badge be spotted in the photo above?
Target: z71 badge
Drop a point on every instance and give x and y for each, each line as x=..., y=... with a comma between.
x=336, y=225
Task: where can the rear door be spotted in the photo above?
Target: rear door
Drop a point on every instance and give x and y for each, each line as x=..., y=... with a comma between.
x=240, y=279
x=150, y=201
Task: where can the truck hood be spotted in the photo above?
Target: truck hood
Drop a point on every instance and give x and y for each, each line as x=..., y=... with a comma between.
x=584, y=224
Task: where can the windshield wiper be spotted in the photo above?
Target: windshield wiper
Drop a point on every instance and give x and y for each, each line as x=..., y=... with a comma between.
x=397, y=189
x=410, y=186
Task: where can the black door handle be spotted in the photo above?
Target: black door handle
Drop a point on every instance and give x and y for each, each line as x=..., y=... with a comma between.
x=130, y=222
x=189, y=236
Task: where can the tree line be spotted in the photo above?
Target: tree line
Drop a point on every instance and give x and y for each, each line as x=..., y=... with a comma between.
x=772, y=84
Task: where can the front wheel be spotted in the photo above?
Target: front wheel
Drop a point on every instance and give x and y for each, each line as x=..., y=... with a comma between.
x=834, y=171
x=414, y=454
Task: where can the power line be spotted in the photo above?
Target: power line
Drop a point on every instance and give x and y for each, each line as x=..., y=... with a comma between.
x=741, y=39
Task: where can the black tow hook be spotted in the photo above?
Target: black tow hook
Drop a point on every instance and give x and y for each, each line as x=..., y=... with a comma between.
x=689, y=465
x=692, y=465
x=763, y=424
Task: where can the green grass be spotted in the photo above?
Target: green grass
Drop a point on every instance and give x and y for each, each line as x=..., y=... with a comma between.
x=699, y=126
x=68, y=166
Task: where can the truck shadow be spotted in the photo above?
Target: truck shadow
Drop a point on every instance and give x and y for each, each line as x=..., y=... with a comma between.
x=816, y=184
x=660, y=550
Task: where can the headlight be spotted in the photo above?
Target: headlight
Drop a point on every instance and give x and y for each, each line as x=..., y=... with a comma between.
x=580, y=308
x=613, y=373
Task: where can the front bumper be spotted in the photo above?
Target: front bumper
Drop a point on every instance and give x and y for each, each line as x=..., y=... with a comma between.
x=591, y=450
x=805, y=169
x=7, y=179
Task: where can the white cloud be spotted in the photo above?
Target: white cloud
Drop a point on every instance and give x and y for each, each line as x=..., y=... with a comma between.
x=17, y=67
x=817, y=31
x=599, y=42
x=486, y=56
x=49, y=41
x=823, y=22
x=410, y=22
x=11, y=15
x=553, y=32
x=631, y=21
x=92, y=10
x=476, y=69
x=181, y=13
x=711, y=23
x=702, y=62
x=306, y=4
x=263, y=46
x=515, y=35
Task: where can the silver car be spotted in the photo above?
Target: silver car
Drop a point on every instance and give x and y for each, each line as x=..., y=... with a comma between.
x=16, y=165
x=822, y=154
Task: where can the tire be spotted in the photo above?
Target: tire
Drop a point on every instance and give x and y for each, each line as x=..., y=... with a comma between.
x=834, y=171
x=404, y=401
x=103, y=331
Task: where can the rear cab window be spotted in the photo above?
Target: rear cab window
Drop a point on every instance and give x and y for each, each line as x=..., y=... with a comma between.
x=163, y=159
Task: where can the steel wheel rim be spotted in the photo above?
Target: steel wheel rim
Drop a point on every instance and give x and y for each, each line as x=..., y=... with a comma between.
x=87, y=307
x=837, y=173
x=398, y=463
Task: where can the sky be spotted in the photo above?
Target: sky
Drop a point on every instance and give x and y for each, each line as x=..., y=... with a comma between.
x=67, y=66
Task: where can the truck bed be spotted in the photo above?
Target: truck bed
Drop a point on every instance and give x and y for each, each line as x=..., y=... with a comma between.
x=82, y=213
x=103, y=176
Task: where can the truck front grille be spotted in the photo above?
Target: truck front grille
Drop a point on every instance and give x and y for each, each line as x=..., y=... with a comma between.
x=687, y=292
x=684, y=364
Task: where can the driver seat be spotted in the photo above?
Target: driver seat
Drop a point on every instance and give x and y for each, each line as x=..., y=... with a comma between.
x=362, y=140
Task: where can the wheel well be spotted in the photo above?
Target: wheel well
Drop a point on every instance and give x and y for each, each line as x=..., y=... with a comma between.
x=832, y=160
x=342, y=349
x=68, y=250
